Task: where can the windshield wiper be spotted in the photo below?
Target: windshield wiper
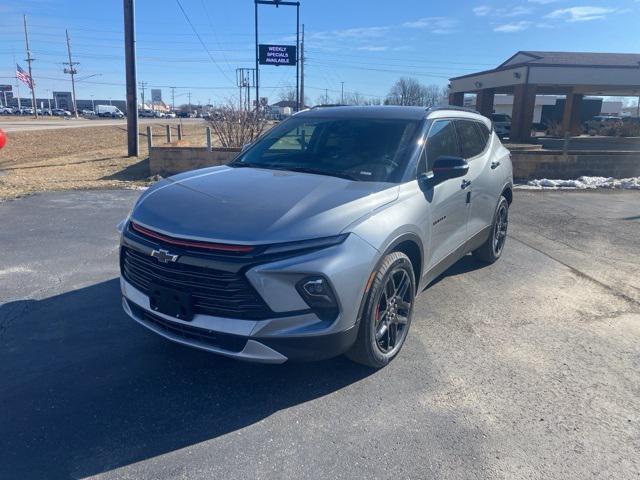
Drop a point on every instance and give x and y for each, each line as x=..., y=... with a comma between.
x=247, y=164
x=318, y=171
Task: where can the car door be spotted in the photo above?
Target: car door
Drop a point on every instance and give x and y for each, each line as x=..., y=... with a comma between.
x=481, y=178
x=447, y=199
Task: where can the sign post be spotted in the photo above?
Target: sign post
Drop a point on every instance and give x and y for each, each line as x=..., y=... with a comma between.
x=291, y=51
x=277, y=55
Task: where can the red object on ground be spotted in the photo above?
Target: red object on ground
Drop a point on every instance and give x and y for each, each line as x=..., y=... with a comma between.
x=3, y=138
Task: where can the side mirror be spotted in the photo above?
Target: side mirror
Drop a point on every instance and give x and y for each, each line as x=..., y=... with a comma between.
x=444, y=168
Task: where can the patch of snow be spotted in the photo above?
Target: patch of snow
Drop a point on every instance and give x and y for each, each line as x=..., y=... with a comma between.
x=19, y=269
x=583, y=183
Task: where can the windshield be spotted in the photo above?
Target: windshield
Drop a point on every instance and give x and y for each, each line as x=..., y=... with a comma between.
x=500, y=117
x=371, y=150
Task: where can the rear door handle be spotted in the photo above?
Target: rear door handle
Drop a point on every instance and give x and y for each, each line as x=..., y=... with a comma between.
x=495, y=164
x=465, y=184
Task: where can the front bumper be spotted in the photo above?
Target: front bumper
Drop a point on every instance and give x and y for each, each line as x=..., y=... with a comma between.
x=295, y=332
x=199, y=334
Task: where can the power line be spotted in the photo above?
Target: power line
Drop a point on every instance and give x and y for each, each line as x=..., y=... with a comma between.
x=202, y=42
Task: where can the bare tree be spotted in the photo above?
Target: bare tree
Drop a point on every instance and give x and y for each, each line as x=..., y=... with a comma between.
x=406, y=91
x=287, y=94
x=355, y=98
x=409, y=91
x=373, y=101
x=234, y=127
x=435, y=95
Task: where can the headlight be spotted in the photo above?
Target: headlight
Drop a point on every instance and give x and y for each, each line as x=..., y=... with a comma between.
x=315, y=243
x=317, y=292
x=123, y=223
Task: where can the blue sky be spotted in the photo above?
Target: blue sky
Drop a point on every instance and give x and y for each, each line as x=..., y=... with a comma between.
x=364, y=43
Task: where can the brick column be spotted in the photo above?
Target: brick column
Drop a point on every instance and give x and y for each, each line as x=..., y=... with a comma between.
x=571, y=115
x=456, y=99
x=524, y=102
x=484, y=102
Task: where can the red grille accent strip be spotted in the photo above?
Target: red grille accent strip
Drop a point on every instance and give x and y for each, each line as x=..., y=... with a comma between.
x=220, y=247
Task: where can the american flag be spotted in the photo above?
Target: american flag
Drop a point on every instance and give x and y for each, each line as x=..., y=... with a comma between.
x=24, y=77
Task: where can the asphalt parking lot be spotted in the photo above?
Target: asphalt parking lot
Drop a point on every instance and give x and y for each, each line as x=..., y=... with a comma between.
x=529, y=368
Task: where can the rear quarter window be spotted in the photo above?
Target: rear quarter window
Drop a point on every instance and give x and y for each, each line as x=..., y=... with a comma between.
x=471, y=142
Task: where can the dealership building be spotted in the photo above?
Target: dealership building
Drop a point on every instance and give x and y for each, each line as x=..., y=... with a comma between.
x=527, y=74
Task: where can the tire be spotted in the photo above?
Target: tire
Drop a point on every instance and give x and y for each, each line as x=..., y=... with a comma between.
x=394, y=274
x=492, y=248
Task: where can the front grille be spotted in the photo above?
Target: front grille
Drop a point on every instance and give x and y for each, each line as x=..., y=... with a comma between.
x=214, y=292
x=224, y=341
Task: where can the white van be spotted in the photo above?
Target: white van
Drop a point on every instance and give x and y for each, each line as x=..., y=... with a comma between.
x=108, y=111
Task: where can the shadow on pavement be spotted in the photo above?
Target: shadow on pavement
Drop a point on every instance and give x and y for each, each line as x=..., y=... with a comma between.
x=468, y=263
x=85, y=390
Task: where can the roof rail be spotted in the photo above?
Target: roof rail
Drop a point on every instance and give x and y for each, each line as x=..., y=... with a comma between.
x=452, y=107
x=329, y=105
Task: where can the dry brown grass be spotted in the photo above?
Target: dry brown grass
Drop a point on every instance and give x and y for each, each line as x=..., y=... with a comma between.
x=79, y=158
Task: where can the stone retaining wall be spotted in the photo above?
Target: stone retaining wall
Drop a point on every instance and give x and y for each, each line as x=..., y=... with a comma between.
x=529, y=165
x=167, y=161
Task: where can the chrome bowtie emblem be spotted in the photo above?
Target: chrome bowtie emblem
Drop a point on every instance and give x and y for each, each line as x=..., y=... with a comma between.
x=163, y=256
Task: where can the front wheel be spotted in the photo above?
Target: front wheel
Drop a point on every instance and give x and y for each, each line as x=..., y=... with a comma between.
x=492, y=248
x=387, y=314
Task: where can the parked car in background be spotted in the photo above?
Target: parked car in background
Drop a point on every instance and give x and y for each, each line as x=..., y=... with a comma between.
x=6, y=110
x=145, y=113
x=317, y=238
x=108, y=111
x=183, y=114
x=87, y=113
x=61, y=112
x=501, y=124
x=170, y=115
x=158, y=114
x=631, y=120
x=607, y=119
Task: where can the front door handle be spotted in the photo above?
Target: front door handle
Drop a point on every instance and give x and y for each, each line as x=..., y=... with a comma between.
x=495, y=164
x=465, y=184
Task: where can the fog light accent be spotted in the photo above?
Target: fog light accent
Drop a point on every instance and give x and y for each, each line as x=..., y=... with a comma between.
x=318, y=294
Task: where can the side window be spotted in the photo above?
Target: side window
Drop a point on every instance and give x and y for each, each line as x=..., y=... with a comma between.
x=441, y=142
x=485, y=133
x=471, y=144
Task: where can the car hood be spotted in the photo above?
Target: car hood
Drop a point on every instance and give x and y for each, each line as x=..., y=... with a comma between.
x=255, y=206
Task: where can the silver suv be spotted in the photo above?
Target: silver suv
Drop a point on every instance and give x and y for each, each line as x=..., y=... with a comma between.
x=316, y=239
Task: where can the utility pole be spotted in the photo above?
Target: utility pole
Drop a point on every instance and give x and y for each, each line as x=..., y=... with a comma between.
x=130, y=64
x=173, y=98
x=326, y=96
x=342, y=93
x=189, y=96
x=29, y=60
x=142, y=85
x=302, y=69
x=48, y=100
x=71, y=70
